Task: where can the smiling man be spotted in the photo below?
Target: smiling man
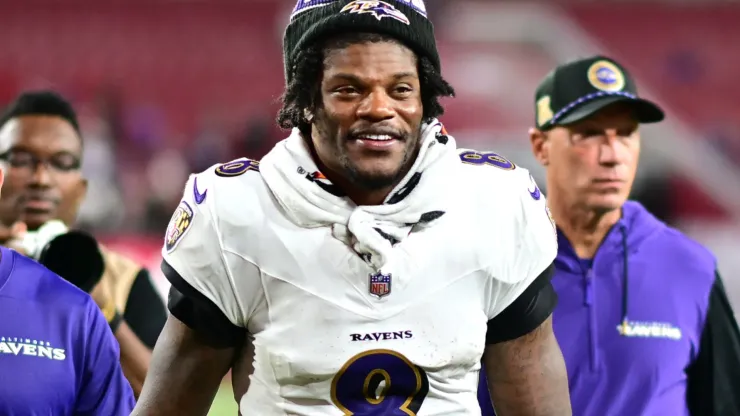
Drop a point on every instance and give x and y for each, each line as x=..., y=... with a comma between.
x=372, y=261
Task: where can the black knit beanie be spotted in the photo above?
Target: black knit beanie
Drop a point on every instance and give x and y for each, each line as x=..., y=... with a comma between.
x=405, y=20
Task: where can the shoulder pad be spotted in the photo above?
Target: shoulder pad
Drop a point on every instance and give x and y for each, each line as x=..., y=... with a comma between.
x=225, y=190
x=236, y=167
x=487, y=168
x=496, y=179
x=230, y=176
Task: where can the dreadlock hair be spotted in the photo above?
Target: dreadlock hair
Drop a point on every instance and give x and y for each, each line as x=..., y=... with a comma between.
x=303, y=91
x=41, y=103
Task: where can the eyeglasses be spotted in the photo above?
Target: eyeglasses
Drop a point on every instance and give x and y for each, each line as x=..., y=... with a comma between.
x=59, y=163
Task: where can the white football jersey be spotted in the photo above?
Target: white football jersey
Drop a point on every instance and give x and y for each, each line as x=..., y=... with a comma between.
x=333, y=338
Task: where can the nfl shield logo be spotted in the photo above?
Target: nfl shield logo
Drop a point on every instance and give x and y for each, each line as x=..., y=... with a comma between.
x=380, y=284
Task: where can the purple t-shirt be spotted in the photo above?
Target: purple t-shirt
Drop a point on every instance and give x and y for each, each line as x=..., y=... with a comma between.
x=57, y=353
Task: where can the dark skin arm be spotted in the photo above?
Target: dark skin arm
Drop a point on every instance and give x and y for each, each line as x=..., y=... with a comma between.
x=135, y=357
x=527, y=375
x=184, y=375
x=143, y=320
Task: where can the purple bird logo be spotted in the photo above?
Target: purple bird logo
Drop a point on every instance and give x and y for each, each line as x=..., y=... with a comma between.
x=379, y=9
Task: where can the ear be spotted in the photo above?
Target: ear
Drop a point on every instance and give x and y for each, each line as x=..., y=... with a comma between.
x=2, y=177
x=540, y=146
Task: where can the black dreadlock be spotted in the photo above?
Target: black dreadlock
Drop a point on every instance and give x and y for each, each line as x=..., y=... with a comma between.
x=303, y=92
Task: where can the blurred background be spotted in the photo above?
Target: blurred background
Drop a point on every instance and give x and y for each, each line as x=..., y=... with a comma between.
x=164, y=88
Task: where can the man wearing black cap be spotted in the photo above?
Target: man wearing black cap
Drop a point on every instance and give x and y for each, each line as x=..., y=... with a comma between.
x=372, y=261
x=643, y=319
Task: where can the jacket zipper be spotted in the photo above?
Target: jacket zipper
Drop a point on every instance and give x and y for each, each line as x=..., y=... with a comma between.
x=588, y=301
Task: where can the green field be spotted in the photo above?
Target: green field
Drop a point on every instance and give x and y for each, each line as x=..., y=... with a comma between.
x=224, y=404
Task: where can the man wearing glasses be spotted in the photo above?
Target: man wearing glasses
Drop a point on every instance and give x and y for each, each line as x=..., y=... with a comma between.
x=40, y=154
x=57, y=354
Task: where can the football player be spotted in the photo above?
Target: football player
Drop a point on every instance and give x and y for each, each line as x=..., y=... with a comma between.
x=373, y=262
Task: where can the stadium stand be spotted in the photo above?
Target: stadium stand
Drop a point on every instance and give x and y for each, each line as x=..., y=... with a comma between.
x=153, y=70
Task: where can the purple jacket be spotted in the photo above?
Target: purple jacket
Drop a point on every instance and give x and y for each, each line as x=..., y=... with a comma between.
x=57, y=354
x=645, y=326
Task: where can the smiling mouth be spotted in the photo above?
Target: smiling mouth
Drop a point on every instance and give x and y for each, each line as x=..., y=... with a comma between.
x=376, y=137
x=375, y=142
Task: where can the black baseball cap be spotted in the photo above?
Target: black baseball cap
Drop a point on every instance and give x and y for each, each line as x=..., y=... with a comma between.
x=578, y=89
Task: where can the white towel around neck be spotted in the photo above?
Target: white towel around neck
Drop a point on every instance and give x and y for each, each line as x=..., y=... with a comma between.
x=371, y=231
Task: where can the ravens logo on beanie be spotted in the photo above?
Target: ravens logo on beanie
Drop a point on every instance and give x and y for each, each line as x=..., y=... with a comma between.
x=405, y=20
